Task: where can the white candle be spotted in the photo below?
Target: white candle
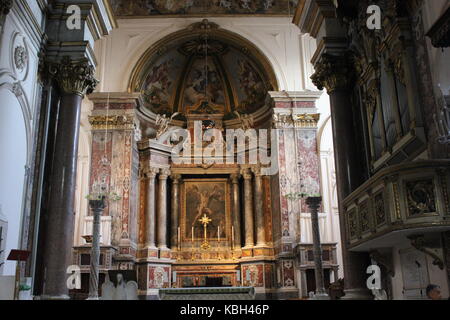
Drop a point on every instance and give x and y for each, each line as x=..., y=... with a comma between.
x=218, y=234
x=232, y=237
x=192, y=234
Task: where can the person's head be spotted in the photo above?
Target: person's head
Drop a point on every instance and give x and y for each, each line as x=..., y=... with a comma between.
x=434, y=292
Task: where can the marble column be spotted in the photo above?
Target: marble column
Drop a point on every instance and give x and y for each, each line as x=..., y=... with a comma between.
x=314, y=205
x=150, y=209
x=248, y=205
x=236, y=210
x=75, y=79
x=335, y=74
x=161, y=230
x=97, y=207
x=259, y=210
x=175, y=204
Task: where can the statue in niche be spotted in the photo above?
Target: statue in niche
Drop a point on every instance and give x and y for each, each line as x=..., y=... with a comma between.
x=163, y=123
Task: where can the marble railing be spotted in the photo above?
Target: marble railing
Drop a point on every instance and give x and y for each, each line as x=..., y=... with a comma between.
x=413, y=195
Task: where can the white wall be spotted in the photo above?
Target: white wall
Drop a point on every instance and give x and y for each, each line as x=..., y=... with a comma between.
x=83, y=174
x=13, y=150
x=276, y=37
x=19, y=98
x=429, y=273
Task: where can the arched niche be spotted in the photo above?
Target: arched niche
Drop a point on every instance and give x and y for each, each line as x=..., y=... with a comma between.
x=171, y=74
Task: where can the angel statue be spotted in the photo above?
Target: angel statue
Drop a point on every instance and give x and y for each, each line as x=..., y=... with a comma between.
x=247, y=121
x=163, y=123
x=123, y=291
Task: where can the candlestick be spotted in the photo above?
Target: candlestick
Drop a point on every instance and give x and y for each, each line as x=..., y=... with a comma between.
x=218, y=234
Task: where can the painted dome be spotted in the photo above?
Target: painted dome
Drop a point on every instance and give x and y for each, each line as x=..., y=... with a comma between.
x=204, y=75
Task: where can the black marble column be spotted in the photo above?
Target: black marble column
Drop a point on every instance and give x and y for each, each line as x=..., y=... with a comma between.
x=335, y=74
x=97, y=207
x=75, y=79
x=314, y=205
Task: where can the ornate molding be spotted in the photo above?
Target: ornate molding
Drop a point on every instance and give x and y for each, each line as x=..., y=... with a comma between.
x=235, y=178
x=20, y=57
x=333, y=72
x=299, y=120
x=306, y=120
x=246, y=173
x=123, y=122
x=164, y=174
x=151, y=173
x=205, y=25
x=74, y=77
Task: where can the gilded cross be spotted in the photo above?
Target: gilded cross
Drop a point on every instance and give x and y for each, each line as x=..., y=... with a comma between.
x=205, y=221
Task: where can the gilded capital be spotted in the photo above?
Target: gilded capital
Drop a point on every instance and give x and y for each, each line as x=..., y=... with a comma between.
x=74, y=77
x=235, y=178
x=122, y=122
x=256, y=169
x=175, y=178
x=151, y=173
x=333, y=72
x=246, y=173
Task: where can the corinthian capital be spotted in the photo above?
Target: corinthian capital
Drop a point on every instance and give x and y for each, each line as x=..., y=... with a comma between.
x=74, y=77
x=333, y=72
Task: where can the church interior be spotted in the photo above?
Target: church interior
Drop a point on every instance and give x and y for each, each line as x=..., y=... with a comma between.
x=224, y=149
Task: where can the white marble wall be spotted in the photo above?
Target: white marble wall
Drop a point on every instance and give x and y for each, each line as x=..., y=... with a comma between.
x=83, y=175
x=410, y=279
x=19, y=100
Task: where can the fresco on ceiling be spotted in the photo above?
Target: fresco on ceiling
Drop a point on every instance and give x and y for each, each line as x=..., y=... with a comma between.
x=204, y=91
x=180, y=81
x=160, y=84
x=196, y=7
x=250, y=88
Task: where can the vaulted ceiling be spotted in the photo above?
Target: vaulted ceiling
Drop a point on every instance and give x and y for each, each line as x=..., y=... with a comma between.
x=146, y=8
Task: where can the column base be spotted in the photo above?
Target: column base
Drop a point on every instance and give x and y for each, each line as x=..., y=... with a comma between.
x=321, y=296
x=165, y=253
x=357, y=294
x=55, y=298
x=150, y=252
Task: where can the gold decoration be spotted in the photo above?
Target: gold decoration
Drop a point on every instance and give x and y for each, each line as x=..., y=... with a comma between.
x=112, y=122
x=74, y=77
x=333, y=72
x=205, y=220
x=306, y=120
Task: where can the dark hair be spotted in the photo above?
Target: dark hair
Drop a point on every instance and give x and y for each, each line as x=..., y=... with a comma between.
x=431, y=287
